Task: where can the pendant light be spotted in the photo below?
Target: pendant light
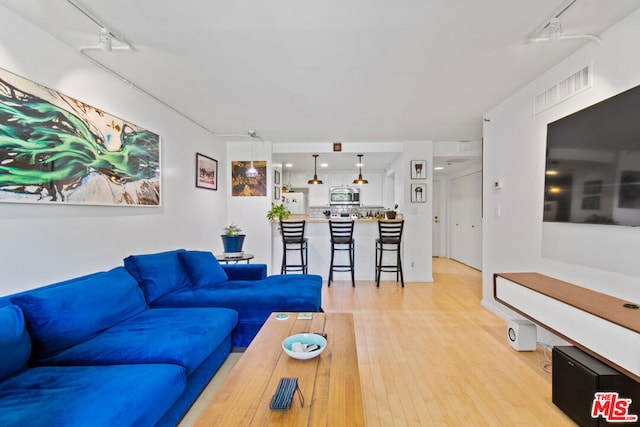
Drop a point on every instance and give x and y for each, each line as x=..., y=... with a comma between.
x=252, y=172
x=360, y=180
x=315, y=179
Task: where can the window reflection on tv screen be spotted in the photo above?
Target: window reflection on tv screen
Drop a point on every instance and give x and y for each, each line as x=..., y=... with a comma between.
x=592, y=172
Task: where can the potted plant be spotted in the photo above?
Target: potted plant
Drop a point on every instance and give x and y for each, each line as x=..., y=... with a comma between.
x=391, y=213
x=232, y=241
x=278, y=212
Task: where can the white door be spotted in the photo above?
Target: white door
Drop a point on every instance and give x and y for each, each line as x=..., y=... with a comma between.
x=466, y=219
x=436, y=220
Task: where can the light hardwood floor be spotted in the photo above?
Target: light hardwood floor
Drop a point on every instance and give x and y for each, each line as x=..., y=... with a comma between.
x=430, y=355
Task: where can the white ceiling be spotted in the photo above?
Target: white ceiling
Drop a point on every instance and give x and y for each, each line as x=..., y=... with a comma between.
x=330, y=70
x=371, y=161
x=335, y=161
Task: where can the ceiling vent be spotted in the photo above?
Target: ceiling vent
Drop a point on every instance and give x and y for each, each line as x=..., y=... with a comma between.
x=570, y=86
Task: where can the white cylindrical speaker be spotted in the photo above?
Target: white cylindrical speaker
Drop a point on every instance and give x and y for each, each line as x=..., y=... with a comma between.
x=521, y=335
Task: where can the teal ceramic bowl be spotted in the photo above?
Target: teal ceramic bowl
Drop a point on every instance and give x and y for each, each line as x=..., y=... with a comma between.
x=289, y=345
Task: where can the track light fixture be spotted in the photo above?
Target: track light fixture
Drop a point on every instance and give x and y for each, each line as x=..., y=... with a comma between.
x=315, y=179
x=360, y=179
x=551, y=29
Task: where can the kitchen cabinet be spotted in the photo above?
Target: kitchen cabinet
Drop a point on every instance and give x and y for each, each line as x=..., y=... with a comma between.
x=371, y=193
x=342, y=179
x=319, y=194
x=297, y=179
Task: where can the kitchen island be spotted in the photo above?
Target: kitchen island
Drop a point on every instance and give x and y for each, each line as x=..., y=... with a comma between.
x=365, y=233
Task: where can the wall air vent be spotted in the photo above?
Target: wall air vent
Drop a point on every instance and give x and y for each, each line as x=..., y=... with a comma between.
x=570, y=86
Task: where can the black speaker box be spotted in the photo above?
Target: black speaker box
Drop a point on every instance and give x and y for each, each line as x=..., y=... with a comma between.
x=577, y=377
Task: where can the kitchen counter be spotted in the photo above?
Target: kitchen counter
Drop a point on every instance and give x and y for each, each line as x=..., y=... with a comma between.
x=317, y=231
x=307, y=218
x=361, y=211
x=335, y=219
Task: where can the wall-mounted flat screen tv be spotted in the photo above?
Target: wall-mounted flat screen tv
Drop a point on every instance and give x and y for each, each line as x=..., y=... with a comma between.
x=592, y=172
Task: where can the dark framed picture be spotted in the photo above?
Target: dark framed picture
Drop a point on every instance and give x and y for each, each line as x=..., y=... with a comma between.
x=249, y=178
x=276, y=192
x=418, y=169
x=206, y=172
x=629, y=196
x=592, y=187
x=276, y=177
x=418, y=193
x=591, y=203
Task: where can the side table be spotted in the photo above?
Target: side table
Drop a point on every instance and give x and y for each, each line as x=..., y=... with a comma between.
x=235, y=259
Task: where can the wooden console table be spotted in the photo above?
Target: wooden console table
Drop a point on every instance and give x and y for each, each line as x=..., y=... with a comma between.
x=330, y=383
x=606, y=327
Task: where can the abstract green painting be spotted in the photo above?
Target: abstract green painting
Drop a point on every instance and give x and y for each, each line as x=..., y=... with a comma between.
x=56, y=149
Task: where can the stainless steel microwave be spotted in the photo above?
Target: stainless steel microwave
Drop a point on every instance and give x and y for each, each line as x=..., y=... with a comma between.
x=344, y=196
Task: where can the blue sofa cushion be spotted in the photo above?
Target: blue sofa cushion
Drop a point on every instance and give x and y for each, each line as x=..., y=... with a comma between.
x=158, y=273
x=184, y=337
x=15, y=344
x=202, y=268
x=121, y=395
x=254, y=300
x=67, y=313
x=245, y=271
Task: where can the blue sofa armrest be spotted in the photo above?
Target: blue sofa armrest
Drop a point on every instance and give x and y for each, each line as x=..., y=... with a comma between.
x=246, y=271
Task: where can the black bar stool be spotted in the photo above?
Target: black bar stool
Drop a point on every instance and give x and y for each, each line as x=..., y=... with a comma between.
x=293, y=240
x=389, y=240
x=342, y=240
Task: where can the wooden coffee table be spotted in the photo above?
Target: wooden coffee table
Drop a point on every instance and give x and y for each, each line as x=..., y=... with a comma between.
x=330, y=383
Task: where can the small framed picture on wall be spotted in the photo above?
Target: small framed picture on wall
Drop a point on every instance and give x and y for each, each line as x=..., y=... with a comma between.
x=418, y=169
x=276, y=177
x=249, y=178
x=418, y=193
x=276, y=192
x=206, y=172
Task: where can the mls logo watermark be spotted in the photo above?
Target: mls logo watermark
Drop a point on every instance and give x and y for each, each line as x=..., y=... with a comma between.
x=612, y=408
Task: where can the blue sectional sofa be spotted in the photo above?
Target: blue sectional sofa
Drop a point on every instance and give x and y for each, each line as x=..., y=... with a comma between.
x=196, y=279
x=134, y=345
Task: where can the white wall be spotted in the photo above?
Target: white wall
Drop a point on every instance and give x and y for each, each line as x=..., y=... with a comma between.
x=46, y=243
x=417, y=230
x=603, y=258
